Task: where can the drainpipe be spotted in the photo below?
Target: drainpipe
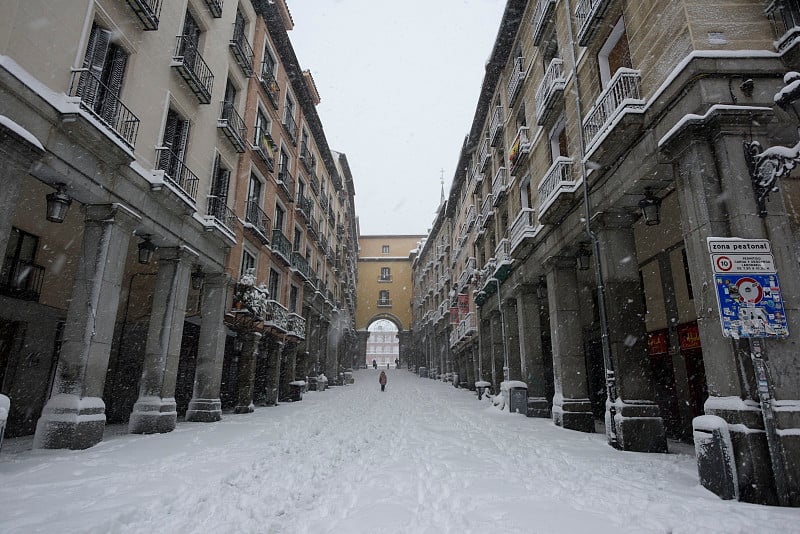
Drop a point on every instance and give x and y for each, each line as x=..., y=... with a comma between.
x=611, y=381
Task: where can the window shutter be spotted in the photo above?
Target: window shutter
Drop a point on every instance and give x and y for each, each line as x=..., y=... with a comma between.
x=113, y=81
x=94, y=60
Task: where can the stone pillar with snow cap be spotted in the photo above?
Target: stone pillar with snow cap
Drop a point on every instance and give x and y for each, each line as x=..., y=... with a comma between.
x=247, y=372
x=529, y=322
x=74, y=416
x=19, y=149
x=571, y=406
x=206, y=405
x=512, y=339
x=155, y=409
x=497, y=350
x=638, y=422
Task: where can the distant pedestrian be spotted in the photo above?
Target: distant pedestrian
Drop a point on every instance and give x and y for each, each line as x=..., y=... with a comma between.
x=374, y=364
x=387, y=365
x=382, y=380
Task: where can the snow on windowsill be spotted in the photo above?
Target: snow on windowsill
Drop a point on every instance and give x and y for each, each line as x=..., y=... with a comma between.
x=20, y=131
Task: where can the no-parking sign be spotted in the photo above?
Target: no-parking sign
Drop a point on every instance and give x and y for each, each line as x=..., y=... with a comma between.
x=748, y=292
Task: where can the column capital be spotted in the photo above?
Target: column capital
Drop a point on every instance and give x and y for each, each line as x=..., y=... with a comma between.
x=560, y=263
x=111, y=213
x=614, y=219
x=179, y=253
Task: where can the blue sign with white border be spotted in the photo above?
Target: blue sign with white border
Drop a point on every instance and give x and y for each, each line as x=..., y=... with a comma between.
x=750, y=305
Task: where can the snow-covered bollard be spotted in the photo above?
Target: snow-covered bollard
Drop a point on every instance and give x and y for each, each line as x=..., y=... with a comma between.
x=481, y=386
x=714, y=450
x=5, y=407
x=516, y=394
x=296, y=388
x=423, y=372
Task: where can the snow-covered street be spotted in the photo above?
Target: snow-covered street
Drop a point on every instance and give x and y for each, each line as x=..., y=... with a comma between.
x=423, y=457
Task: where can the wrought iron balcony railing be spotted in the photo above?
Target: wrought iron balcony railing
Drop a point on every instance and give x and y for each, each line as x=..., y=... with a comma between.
x=257, y=221
x=323, y=201
x=291, y=126
x=476, y=178
x=785, y=18
x=483, y=155
x=384, y=303
x=177, y=174
x=520, y=148
x=219, y=210
x=542, y=14
x=589, y=14
x=304, y=206
x=242, y=51
x=281, y=245
x=193, y=69
x=103, y=104
x=550, y=88
x=623, y=92
x=215, y=7
x=232, y=125
x=276, y=316
x=265, y=147
x=307, y=158
x=148, y=12
x=470, y=218
x=515, y=79
x=313, y=182
x=499, y=185
x=558, y=178
x=297, y=326
x=269, y=84
x=286, y=182
x=496, y=125
x=313, y=226
x=21, y=279
x=300, y=264
x=487, y=210
x=522, y=227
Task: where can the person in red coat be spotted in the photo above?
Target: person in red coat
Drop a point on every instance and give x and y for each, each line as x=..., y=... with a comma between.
x=382, y=380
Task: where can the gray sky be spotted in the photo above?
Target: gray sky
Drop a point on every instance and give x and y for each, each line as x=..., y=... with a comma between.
x=399, y=83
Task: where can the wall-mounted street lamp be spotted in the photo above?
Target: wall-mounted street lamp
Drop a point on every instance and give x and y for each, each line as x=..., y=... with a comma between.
x=768, y=166
x=146, y=250
x=58, y=203
x=651, y=208
x=197, y=278
x=582, y=257
x=541, y=289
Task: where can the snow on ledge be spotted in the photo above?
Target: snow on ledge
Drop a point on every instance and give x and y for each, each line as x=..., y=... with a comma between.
x=690, y=118
x=20, y=131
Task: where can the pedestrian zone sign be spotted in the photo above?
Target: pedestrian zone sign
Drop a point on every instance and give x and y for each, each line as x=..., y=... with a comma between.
x=748, y=292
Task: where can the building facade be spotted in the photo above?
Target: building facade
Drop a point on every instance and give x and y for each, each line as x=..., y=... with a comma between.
x=148, y=149
x=541, y=267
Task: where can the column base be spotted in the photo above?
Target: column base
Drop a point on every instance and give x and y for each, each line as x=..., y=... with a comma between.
x=250, y=408
x=153, y=415
x=639, y=427
x=574, y=414
x=70, y=422
x=204, y=410
x=538, y=407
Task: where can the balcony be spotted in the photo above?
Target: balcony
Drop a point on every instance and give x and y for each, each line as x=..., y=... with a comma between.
x=232, y=125
x=269, y=84
x=276, y=316
x=176, y=173
x=307, y=158
x=265, y=147
x=257, y=221
x=242, y=52
x=323, y=202
x=384, y=279
x=515, y=79
x=785, y=18
x=290, y=126
x=499, y=185
x=621, y=96
x=503, y=259
x=556, y=191
x=523, y=229
x=104, y=104
x=466, y=274
x=148, y=12
x=550, y=92
x=477, y=179
x=520, y=148
x=465, y=329
x=487, y=211
x=470, y=218
x=542, y=15
x=589, y=15
x=313, y=227
x=483, y=155
x=300, y=264
x=496, y=126
x=313, y=182
x=188, y=62
x=304, y=206
x=297, y=326
x=21, y=279
x=215, y=8
x=286, y=182
x=219, y=211
x=281, y=246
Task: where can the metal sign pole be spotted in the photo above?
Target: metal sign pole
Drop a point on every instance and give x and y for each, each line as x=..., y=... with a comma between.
x=757, y=353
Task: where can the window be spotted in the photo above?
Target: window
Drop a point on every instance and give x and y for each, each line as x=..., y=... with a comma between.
x=284, y=165
x=218, y=196
x=262, y=128
x=293, y=292
x=173, y=152
x=99, y=87
x=268, y=63
x=385, y=249
x=558, y=139
x=248, y=262
x=20, y=276
x=614, y=54
x=280, y=216
x=298, y=239
x=383, y=298
x=274, y=285
x=190, y=42
x=254, y=190
x=386, y=275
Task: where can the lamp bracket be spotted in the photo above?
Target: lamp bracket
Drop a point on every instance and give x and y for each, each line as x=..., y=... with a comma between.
x=768, y=166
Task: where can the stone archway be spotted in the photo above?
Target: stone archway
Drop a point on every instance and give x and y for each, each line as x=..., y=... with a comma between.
x=364, y=336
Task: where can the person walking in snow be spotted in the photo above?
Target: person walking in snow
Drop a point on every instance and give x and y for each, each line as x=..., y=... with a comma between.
x=374, y=364
x=382, y=380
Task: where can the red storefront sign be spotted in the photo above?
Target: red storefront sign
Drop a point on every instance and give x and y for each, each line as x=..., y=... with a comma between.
x=657, y=343
x=689, y=336
x=454, y=316
x=463, y=305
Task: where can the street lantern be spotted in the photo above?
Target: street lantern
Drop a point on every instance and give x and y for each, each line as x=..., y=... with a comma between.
x=197, y=278
x=651, y=208
x=582, y=257
x=58, y=204
x=146, y=250
x=541, y=289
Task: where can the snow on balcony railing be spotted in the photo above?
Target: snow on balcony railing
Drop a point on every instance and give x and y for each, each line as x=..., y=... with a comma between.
x=470, y=218
x=496, y=125
x=499, y=184
x=483, y=157
x=785, y=18
x=103, y=103
x=588, y=14
x=558, y=176
x=520, y=148
x=176, y=173
x=515, y=79
x=487, y=210
x=541, y=15
x=242, y=51
x=523, y=224
x=551, y=84
x=623, y=91
x=502, y=252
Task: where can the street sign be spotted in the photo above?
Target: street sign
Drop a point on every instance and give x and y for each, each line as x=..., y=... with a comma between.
x=747, y=288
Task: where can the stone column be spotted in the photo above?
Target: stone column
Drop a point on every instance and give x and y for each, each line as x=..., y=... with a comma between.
x=485, y=350
x=571, y=406
x=273, y=346
x=247, y=372
x=205, y=405
x=322, y=360
x=17, y=155
x=639, y=425
x=287, y=371
x=497, y=350
x=74, y=416
x=512, y=339
x=155, y=409
x=363, y=335
x=529, y=323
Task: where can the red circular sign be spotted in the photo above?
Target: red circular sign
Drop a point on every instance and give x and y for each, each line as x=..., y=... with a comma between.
x=724, y=264
x=750, y=291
